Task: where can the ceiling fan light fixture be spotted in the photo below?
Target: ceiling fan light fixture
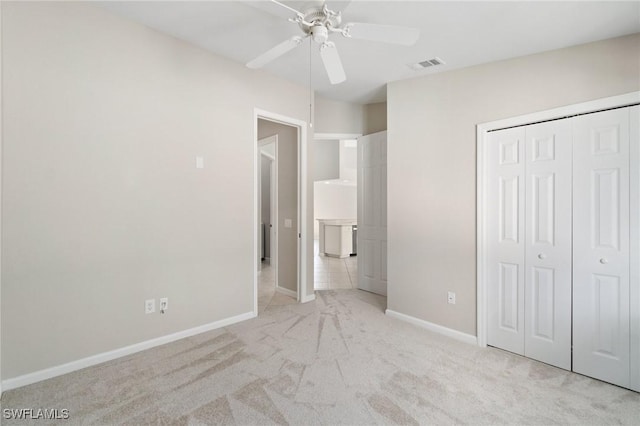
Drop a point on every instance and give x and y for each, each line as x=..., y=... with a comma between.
x=319, y=33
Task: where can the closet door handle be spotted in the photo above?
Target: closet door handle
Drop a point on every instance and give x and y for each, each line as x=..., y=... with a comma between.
x=604, y=260
x=542, y=256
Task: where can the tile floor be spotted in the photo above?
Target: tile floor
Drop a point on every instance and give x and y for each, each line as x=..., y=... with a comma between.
x=267, y=294
x=329, y=273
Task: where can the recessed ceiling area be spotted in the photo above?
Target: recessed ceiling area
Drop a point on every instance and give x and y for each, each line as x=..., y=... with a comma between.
x=461, y=34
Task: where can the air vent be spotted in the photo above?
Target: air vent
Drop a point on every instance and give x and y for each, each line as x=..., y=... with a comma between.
x=427, y=64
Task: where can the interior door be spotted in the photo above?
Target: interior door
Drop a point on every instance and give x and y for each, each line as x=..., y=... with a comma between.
x=506, y=254
x=547, y=306
x=601, y=246
x=372, y=213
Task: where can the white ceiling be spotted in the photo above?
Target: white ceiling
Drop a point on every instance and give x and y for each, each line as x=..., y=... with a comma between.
x=460, y=33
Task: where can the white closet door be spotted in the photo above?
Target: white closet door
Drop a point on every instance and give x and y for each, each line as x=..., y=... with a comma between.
x=372, y=213
x=506, y=240
x=547, y=303
x=634, y=142
x=601, y=246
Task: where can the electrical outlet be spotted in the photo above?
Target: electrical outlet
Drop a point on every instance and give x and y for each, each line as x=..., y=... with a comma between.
x=451, y=298
x=149, y=306
x=164, y=304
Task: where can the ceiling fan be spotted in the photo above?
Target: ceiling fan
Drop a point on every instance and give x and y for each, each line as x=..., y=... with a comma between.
x=319, y=23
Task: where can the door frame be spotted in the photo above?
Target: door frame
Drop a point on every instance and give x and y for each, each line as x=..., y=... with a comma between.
x=335, y=136
x=301, y=126
x=273, y=197
x=482, y=190
x=1, y=145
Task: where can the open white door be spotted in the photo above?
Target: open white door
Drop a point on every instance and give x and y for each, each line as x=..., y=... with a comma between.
x=372, y=213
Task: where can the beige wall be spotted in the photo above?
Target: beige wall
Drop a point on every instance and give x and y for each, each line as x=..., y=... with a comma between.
x=337, y=117
x=326, y=159
x=102, y=204
x=287, y=200
x=432, y=162
x=344, y=117
x=375, y=118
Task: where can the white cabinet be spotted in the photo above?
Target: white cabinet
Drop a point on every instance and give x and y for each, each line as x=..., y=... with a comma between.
x=336, y=237
x=562, y=262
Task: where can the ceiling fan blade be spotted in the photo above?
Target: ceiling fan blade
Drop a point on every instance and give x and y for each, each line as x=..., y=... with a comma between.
x=337, y=5
x=275, y=52
x=384, y=33
x=332, y=63
x=289, y=8
x=274, y=8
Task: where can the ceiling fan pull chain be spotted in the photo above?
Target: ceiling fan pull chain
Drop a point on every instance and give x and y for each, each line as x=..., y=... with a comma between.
x=310, y=87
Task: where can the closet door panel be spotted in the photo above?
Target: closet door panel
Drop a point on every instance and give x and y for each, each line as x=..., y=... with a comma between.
x=548, y=243
x=506, y=240
x=601, y=246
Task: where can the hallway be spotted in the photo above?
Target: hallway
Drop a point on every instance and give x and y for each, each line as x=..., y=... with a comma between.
x=267, y=294
x=329, y=273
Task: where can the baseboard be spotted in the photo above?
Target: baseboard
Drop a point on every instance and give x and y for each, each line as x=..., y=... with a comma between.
x=449, y=332
x=287, y=292
x=310, y=298
x=69, y=367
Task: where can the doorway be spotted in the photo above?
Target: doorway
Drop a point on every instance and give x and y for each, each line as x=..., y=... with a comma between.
x=335, y=199
x=350, y=250
x=267, y=201
x=279, y=237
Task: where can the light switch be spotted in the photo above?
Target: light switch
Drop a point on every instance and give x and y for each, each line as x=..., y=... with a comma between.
x=199, y=162
x=288, y=223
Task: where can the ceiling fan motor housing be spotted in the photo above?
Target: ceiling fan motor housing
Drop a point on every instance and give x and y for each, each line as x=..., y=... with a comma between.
x=318, y=22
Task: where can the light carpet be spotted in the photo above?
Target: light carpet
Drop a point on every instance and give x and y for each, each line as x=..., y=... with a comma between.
x=338, y=360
